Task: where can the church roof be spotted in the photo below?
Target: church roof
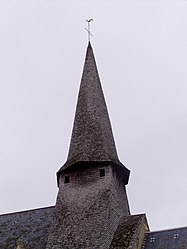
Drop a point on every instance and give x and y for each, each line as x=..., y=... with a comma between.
x=92, y=138
x=29, y=229
x=171, y=238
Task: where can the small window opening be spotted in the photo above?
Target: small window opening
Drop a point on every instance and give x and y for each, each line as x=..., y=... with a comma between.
x=102, y=172
x=176, y=236
x=66, y=180
x=152, y=240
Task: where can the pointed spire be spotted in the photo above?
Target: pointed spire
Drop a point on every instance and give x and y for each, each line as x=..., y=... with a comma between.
x=92, y=138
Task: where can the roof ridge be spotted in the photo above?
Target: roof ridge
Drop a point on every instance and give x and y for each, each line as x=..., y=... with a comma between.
x=165, y=230
x=25, y=211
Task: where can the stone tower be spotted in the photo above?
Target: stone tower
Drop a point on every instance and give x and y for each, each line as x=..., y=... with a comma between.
x=92, y=195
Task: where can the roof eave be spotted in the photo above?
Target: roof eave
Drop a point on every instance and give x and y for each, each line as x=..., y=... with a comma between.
x=122, y=171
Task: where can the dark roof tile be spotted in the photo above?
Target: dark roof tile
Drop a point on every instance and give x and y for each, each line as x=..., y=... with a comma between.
x=167, y=239
x=92, y=138
x=28, y=228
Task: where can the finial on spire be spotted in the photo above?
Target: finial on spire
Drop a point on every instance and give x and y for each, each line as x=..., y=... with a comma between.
x=88, y=29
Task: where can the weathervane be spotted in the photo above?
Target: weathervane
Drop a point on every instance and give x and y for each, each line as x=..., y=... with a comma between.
x=88, y=29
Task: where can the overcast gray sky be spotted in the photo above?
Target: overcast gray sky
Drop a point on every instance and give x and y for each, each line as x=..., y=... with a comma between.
x=141, y=52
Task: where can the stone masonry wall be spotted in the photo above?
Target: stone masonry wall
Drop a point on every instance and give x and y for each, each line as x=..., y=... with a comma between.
x=130, y=233
x=88, y=210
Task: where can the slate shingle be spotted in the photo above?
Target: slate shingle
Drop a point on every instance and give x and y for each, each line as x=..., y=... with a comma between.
x=92, y=138
x=167, y=239
x=29, y=228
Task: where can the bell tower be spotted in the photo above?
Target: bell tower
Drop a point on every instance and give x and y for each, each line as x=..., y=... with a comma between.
x=92, y=182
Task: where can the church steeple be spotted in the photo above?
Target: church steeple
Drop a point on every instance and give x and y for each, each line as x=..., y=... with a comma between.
x=92, y=193
x=92, y=138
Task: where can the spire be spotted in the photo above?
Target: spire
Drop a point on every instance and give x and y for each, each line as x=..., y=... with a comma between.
x=92, y=138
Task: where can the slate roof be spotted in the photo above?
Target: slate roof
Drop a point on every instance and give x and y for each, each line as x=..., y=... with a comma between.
x=30, y=228
x=92, y=138
x=167, y=239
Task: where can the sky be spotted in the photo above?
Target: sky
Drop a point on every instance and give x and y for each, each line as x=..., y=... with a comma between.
x=141, y=53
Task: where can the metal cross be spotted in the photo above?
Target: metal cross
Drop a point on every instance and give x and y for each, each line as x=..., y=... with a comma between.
x=88, y=29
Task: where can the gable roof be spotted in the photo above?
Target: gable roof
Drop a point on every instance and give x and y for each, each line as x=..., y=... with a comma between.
x=92, y=138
